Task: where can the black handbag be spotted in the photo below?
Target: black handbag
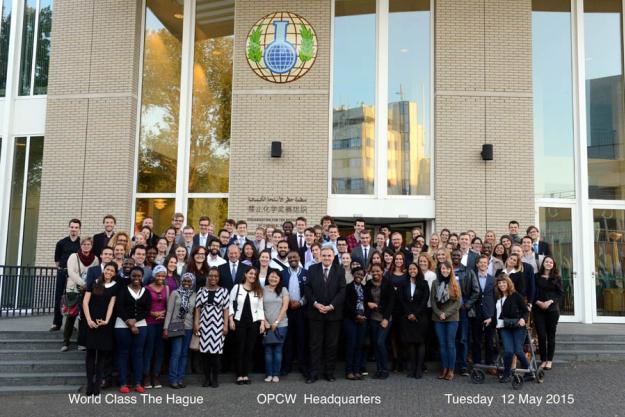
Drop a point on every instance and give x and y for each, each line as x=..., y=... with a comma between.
x=175, y=329
x=511, y=323
x=273, y=337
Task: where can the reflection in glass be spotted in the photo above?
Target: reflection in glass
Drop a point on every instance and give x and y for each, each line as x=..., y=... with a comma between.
x=556, y=229
x=42, y=62
x=409, y=98
x=31, y=211
x=609, y=228
x=353, y=136
x=215, y=208
x=553, y=99
x=212, y=98
x=160, y=99
x=605, y=112
x=5, y=32
x=28, y=42
x=15, y=207
x=160, y=209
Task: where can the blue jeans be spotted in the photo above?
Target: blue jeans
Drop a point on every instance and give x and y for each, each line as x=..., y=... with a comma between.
x=273, y=356
x=130, y=345
x=513, y=340
x=354, y=335
x=153, y=347
x=178, y=358
x=378, y=339
x=462, y=347
x=446, y=333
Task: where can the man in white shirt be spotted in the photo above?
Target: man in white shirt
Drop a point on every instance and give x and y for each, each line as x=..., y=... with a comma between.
x=187, y=238
x=276, y=238
x=240, y=237
x=259, y=239
x=305, y=252
x=296, y=343
x=213, y=258
x=315, y=250
x=469, y=258
x=281, y=261
x=362, y=252
x=297, y=239
x=204, y=238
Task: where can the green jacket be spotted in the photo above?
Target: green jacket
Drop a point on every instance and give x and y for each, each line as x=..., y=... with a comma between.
x=450, y=308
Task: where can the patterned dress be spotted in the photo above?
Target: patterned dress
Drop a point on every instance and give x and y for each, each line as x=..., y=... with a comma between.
x=213, y=304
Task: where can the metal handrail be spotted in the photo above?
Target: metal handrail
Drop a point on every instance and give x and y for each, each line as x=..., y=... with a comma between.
x=27, y=290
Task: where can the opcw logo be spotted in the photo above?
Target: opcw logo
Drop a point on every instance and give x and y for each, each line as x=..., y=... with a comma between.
x=281, y=47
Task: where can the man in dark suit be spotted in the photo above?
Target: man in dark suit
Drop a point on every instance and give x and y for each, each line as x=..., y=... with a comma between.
x=482, y=329
x=297, y=240
x=294, y=279
x=325, y=294
x=101, y=240
x=95, y=272
x=541, y=248
x=305, y=252
x=240, y=237
x=397, y=245
x=232, y=272
x=204, y=238
x=469, y=257
x=362, y=252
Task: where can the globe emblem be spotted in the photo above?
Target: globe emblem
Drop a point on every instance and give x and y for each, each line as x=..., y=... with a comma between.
x=281, y=47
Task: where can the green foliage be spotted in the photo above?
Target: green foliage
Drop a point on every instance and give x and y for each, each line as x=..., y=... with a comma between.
x=306, y=50
x=254, y=52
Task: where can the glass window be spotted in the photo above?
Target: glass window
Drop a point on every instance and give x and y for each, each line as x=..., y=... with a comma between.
x=408, y=133
x=354, y=95
x=553, y=99
x=24, y=209
x=215, y=208
x=5, y=32
x=160, y=99
x=160, y=209
x=605, y=112
x=609, y=227
x=556, y=228
x=43, y=47
x=212, y=99
x=28, y=43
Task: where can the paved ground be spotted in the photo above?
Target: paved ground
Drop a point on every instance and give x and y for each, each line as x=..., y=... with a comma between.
x=595, y=389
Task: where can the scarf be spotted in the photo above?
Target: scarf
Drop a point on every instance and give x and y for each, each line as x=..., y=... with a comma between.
x=86, y=260
x=185, y=295
x=442, y=291
x=360, y=299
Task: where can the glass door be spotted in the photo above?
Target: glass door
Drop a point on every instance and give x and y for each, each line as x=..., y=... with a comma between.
x=556, y=224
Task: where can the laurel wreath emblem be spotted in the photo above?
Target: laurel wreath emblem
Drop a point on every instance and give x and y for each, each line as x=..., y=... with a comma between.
x=254, y=51
x=306, y=50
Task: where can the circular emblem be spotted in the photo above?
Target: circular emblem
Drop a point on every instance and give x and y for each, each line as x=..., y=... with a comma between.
x=281, y=47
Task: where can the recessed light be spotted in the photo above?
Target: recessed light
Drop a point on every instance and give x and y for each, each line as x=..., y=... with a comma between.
x=179, y=16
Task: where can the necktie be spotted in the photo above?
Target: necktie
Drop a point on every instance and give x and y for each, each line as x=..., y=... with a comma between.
x=365, y=260
x=300, y=241
x=325, y=275
x=536, y=247
x=234, y=271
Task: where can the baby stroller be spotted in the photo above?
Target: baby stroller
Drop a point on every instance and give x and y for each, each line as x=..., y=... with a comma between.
x=478, y=373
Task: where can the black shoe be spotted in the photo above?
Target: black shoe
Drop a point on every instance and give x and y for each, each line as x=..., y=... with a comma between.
x=215, y=384
x=247, y=381
x=383, y=375
x=181, y=385
x=174, y=386
x=54, y=328
x=464, y=372
x=330, y=378
x=207, y=383
x=311, y=380
x=418, y=375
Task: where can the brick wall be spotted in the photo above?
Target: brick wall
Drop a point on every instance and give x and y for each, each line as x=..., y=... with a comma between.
x=296, y=113
x=88, y=162
x=483, y=83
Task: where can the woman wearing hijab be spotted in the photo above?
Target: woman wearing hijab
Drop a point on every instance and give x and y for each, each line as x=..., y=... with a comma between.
x=178, y=328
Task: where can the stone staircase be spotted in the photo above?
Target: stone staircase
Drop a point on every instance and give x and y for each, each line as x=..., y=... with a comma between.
x=590, y=347
x=31, y=362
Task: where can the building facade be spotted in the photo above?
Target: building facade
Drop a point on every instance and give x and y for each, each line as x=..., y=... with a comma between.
x=153, y=107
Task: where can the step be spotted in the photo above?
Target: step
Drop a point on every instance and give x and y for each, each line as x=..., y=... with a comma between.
x=42, y=378
x=40, y=334
x=591, y=337
x=591, y=355
x=39, y=389
x=599, y=345
x=39, y=366
x=33, y=344
x=43, y=354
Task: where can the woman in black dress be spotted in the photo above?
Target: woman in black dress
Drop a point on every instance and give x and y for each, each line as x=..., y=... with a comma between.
x=98, y=310
x=413, y=298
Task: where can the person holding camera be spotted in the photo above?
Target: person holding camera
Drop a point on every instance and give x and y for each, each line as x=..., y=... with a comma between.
x=511, y=317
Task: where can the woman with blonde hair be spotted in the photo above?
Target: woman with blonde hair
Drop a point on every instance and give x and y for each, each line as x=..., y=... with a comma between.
x=121, y=238
x=445, y=298
x=440, y=256
x=435, y=242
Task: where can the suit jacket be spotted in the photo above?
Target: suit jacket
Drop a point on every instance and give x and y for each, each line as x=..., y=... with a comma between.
x=225, y=275
x=93, y=273
x=351, y=300
x=330, y=293
x=387, y=298
x=485, y=305
x=302, y=277
x=209, y=239
x=100, y=241
x=470, y=289
x=293, y=243
x=471, y=260
x=358, y=255
x=234, y=239
x=414, y=304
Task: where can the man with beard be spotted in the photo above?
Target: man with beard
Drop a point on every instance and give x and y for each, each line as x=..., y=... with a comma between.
x=296, y=343
x=281, y=262
x=213, y=258
x=123, y=275
x=224, y=238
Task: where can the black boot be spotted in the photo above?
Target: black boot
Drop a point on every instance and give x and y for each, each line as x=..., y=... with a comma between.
x=215, y=371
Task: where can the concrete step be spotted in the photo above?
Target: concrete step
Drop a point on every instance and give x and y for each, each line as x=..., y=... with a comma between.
x=42, y=378
x=43, y=354
x=39, y=389
x=41, y=366
x=591, y=337
x=33, y=344
x=9, y=335
x=591, y=355
x=585, y=345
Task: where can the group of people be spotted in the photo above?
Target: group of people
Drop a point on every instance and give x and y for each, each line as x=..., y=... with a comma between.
x=300, y=295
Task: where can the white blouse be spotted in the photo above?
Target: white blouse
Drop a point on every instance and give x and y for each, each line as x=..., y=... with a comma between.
x=238, y=292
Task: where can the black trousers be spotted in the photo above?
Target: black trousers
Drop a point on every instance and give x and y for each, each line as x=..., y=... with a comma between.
x=324, y=340
x=296, y=343
x=416, y=358
x=59, y=289
x=94, y=363
x=210, y=365
x=482, y=336
x=245, y=341
x=546, y=323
